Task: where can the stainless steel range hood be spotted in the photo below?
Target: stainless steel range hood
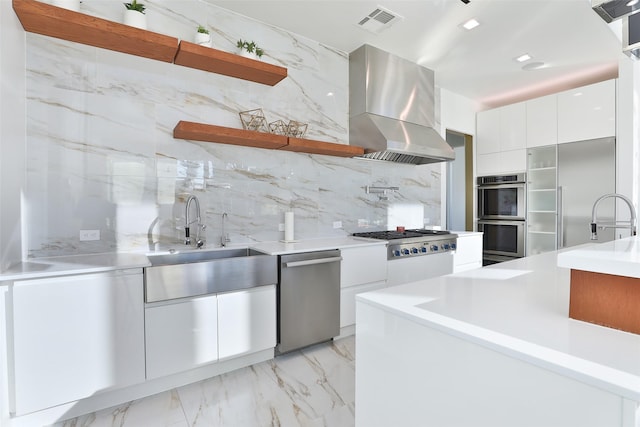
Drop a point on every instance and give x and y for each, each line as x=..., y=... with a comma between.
x=391, y=109
x=610, y=10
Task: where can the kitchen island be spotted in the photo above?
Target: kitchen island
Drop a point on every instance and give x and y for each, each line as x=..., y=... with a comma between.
x=495, y=347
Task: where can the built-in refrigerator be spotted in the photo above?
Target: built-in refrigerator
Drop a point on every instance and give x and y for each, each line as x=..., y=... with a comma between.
x=564, y=181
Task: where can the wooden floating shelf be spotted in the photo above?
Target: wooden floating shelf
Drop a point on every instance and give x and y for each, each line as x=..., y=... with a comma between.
x=320, y=147
x=224, y=135
x=42, y=18
x=216, y=61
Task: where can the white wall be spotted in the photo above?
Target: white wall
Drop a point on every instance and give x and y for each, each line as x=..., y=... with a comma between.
x=101, y=155
x=12, y=133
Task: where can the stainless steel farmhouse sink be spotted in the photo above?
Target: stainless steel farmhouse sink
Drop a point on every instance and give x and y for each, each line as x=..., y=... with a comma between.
x=186, y=274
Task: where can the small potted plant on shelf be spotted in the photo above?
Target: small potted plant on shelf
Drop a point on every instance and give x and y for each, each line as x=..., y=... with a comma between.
x=134, y=15
x=249, y=49
x=202, y=37
x=67, y=4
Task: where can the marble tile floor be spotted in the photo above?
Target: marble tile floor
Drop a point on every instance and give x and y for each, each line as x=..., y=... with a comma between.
x=310, y=387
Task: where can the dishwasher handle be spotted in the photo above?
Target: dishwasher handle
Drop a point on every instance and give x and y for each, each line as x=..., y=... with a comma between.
x=291, y=264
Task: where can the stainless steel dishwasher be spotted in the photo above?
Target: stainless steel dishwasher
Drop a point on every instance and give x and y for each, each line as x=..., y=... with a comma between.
x=308, y=299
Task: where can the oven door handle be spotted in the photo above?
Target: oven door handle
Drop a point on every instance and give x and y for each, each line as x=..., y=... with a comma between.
x=501, y=222
x=291, y=264
x=500, y=186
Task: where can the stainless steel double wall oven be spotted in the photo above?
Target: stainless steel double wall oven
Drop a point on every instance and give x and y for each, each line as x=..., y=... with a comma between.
x=502, y=216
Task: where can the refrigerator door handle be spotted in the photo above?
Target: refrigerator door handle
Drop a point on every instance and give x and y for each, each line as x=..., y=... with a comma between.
x=560, y=219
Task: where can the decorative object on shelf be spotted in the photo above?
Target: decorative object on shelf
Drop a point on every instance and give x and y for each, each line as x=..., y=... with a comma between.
x=296, y=129
x=134, y=15
x=278, y=127
x=202, y=37
x=67, y=4
x=254, y=120
x=249, y=49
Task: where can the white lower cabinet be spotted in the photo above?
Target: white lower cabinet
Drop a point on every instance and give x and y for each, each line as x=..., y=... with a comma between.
x=362, y=269
x=181, y=335
x=76, y=336
x=246, y=321
x=468, y=253
x=188, y=333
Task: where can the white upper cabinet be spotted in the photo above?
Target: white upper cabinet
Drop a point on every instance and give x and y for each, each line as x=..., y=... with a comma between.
x=542, y=121
x=488, y=131
x=501, y=129
x=513, y=127
x=588, y=112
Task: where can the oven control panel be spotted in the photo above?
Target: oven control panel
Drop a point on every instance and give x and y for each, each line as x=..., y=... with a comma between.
x=413, y=249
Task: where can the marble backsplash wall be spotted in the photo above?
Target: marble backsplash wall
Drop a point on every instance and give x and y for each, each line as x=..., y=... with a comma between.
x=101, y=153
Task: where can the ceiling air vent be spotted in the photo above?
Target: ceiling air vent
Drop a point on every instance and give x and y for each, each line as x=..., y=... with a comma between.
x=378, y=20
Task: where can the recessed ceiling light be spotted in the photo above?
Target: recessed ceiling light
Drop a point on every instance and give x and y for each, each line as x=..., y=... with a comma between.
x=470, y=24
x=533, y=66
x=632, y=3
x=526, y=56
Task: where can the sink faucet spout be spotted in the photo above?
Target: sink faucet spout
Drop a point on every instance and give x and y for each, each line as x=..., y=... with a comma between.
x=631, y=224
x=188, y=221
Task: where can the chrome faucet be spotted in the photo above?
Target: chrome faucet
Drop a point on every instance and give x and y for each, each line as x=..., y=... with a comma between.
x=224, y=239
x=188, y=222
x=631, y=224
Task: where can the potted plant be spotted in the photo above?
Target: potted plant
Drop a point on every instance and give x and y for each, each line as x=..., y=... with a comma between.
x=202, y=37
x=249, y=49
x=134, y=15
x=67, y=4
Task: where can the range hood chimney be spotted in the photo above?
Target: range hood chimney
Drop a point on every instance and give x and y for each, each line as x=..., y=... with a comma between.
x=610, y=10
x=391, y=109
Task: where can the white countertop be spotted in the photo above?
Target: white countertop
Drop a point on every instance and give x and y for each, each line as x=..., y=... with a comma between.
x=619, y=257
x=520, y=308
x=76, y=264
x=311, y=245
x=93, y=263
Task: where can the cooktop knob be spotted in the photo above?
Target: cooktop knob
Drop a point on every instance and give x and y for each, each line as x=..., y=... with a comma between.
x=414, y=250
x=396, y=253
x=405, y=251
x=423, y=250
x=434, y=248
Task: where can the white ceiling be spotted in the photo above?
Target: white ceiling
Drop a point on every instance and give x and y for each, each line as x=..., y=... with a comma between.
x=576, y=45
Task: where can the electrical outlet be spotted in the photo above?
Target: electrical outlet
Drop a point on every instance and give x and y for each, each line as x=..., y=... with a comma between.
x=337, y=224
x=86, y=235
x=280, y=227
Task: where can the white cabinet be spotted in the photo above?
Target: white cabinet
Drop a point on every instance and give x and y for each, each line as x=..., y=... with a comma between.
x=542, y=198
x=187, y=333
x=75, y=336
x=588, y=112
x=181, y=335
x=362, y=269
x=542, y=121
x=468, y=253
x=501, y=140
x=246, y=321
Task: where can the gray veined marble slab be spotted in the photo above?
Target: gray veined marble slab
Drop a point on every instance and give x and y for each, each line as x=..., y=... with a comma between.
x=313, y=387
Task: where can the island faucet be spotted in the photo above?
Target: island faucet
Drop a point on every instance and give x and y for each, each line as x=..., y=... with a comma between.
x=631, y=224
x=188, y=222
x=224, y=239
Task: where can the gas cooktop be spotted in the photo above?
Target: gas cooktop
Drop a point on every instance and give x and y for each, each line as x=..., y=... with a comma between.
x=415, y=242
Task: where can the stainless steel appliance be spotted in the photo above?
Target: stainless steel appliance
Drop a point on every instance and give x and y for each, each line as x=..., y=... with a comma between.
x=416, y=254
x=502, y=210
x=502, y=240
x=502, y=197
x=586, y=171
x=392, y=109
x=308, y=299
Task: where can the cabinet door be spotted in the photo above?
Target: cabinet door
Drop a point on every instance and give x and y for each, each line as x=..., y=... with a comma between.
x=246, y=321
x=361, y=265
x=181, y=335
x=468, y=253
x=76, y=336
x=513, y=127
x=488, y=131
x=542, y=121
x=588, y=112
x=348, y=301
